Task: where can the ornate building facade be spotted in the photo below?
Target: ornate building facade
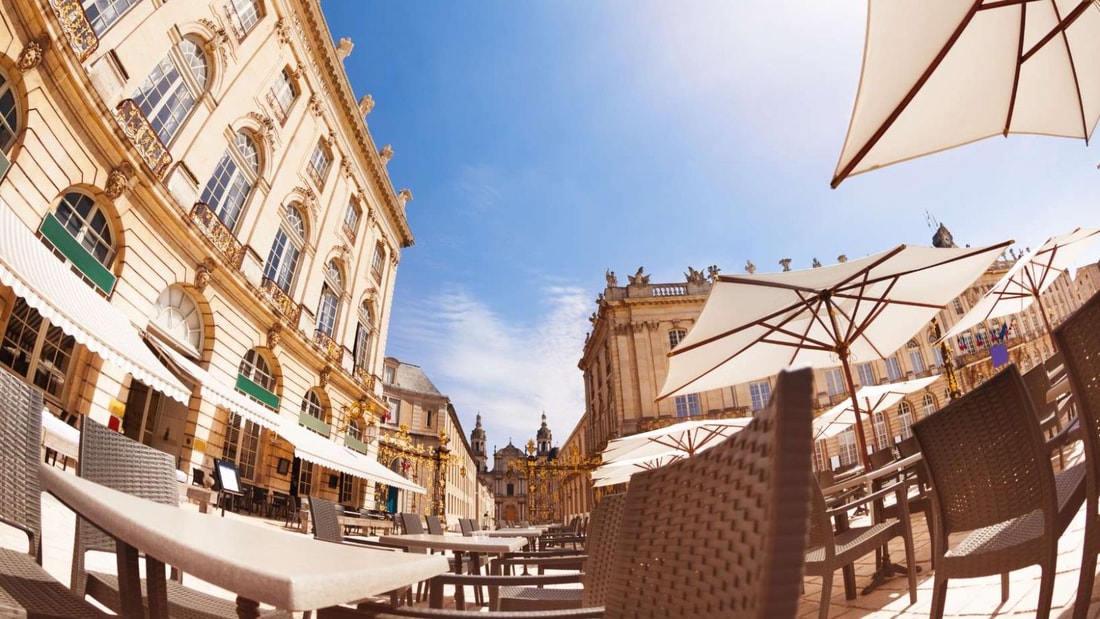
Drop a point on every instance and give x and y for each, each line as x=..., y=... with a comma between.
x=422, y=439
x=624, y=363
x=205, y=171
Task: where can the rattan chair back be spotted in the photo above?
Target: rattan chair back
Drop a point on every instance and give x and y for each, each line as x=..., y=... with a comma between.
x=27, y=590
x=411, y=523
x=603, y=537
x=20, y=440
x=114, y=460
x=325, y=520
x=1078, y=340
x=986, y=458
x=435, y=527
x=723, y=533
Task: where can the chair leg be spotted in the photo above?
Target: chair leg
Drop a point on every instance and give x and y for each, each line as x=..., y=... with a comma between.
x=826, y=595
x=1088, y=565
x=1046, y=588
x=1004, y=587
x=939, y=597
x=911, y=566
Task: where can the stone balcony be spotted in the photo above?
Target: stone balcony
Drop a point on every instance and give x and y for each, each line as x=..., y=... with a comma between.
x=143, y=137
x=281, y=301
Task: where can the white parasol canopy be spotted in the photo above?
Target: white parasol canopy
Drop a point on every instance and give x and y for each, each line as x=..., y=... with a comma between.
x=942, y=73
x=620, y=472
x=686, y=438
x=1027, y=279
x=753, y=326
x=872, y=399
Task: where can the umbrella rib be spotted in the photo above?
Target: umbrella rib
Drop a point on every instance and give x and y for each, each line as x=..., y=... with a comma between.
x=1060, y=29
x=1016, y=71
x=904, y=103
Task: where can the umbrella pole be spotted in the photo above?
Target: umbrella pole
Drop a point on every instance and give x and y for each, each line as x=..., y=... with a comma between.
x=1046, y=323
x=861, y=438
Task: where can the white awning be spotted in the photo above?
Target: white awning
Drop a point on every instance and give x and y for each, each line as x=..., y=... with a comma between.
x=47, y=285
x=219, y=393
x=310, y=446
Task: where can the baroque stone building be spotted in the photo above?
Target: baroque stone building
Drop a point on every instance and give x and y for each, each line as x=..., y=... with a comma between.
x=206, y=172
x=422, y=439
x=624, y=363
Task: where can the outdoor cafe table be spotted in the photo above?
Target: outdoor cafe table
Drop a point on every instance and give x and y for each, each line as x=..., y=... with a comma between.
x=458, y=544
x=260, y=565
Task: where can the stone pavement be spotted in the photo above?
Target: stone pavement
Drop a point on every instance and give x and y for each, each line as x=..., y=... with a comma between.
x=977, y=597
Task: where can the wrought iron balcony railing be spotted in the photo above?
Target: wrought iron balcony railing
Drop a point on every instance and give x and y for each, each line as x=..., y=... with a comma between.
x=280, y=300
x=78, y=30
x=144, y=138
x=219, y=236
x=332, y=348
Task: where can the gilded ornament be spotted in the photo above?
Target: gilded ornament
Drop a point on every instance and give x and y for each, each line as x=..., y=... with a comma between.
x=274, y=335
x=33, y=53
x=203, y=272
x=78, y=30
x=118, y=180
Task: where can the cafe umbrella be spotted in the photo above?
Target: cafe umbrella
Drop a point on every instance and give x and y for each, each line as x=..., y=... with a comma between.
x=942, y=73
x=1026, y=281
x=753, y=326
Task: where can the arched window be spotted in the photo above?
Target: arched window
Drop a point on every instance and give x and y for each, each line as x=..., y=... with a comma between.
x=929, y=404
x=169, y=92
x=178, y=317
x=80, y=232
x=9, y=114
x=312, y=406
x=905, y=418
x=329, y=307
x=283, y=94
x=363, y=330
x=103, y=14
x=282, y=260
x=256, y=379
x=229, y=186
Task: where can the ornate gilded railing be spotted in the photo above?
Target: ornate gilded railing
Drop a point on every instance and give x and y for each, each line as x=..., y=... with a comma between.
x=219, y=236
x=280, y=300
x=78, y=30
x=332, y=348
x=364, y=377
x=142, y=135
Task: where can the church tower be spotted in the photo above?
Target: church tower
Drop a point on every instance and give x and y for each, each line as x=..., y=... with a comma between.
x=477, y=443
x=545, y=438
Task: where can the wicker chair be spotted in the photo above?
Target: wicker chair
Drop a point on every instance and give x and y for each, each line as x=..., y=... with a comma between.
x=27, y=590
x=992, y=477
x=1078, y=340
x=603, y=537
x=831, y=550
x=467, y=526
x=114, y=460
x=747, y=502
x=435, y=526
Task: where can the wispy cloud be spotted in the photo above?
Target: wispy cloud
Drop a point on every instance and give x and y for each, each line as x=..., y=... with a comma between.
x=482, y=187
x=510, y=372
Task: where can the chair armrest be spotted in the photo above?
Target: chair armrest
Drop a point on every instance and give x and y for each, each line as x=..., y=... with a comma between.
x=1069, y=434
x=571, y=562
x=899, y=488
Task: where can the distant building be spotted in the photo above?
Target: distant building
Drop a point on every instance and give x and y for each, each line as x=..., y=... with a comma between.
x=523, y=481
x=625, y=361
x=422, y=439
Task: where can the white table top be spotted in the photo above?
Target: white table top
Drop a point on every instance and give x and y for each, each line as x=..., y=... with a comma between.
x=60, y=436
x=456, y=543
x=287, y=571
x=530, y=532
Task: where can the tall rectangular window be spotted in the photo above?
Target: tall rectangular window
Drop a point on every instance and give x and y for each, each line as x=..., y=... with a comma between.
x=242, y=441
x=893, y=369
x=351, y=221
x=675, y=336
x=866, y=374
x=688, y=405
x=882, y=431
x=103, y=14
x=761, y=393
x=916, y=359
x=35, y=349
x=282, y=95
x=849, y=453
x=318, y=165
x=834, y=381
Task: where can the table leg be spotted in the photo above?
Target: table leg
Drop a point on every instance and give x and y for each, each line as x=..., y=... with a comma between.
x=475, y=568
x=460, y=591
x=129, y=581
x=247, y=609
x=156, y=589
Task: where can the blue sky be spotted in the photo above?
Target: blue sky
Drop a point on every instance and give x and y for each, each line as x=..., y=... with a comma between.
x=547, y=141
